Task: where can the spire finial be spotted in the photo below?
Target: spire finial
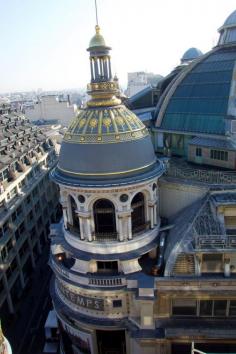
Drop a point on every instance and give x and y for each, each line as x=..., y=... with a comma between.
x=96, y=13
x=97, y=29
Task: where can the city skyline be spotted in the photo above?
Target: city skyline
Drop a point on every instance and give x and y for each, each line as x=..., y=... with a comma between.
x=45, y=42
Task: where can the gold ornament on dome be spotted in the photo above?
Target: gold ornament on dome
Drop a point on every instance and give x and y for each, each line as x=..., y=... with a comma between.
x=106, y=122
x=93, y=123
x=82, y=123
x=120, y=121
x=104, y=103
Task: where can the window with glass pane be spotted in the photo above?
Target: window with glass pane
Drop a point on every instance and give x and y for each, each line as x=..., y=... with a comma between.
x=232, y=308
x=206, y=307
x=219, y=155
x=220, y=307
x=198, y=151
x=184, y=307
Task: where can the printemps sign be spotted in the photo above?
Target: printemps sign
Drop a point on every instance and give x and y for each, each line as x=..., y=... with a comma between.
x=80, y=300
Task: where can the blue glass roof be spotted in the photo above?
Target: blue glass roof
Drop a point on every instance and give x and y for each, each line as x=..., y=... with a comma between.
x=199, y=104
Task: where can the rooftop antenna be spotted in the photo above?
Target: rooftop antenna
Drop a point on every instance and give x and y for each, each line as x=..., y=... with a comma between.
x=96, y=12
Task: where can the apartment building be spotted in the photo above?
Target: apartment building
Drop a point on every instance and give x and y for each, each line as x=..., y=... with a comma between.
x=28, y=201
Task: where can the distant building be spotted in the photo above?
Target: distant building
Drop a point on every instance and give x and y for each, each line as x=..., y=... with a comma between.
x=28, y=202
x=49, y=108
x=139, y=80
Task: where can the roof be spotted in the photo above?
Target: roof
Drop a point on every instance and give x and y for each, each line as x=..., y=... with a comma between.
x=97, y=40
x=231, y=20
x=224, y=198
x=199, y=220
x=106, y=140
x=197, y=100
x=145, y=114
x=228, y=30
x=190, y=54
x=214, y=143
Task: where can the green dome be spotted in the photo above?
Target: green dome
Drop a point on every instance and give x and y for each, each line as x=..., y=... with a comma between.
x=97, y=40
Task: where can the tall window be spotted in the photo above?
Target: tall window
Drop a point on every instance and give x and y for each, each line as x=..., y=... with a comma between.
x=138, y=213
x=75, y=219
x=198, y=151
x=104, y=217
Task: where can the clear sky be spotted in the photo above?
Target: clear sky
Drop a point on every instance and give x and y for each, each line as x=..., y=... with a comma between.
x=43, y=42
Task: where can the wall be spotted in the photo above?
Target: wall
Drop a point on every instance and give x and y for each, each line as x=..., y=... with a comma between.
x=205, y=158
x=50, y=108
x=175, y=196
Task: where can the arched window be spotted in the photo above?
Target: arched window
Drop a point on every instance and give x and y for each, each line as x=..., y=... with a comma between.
x=104, y=218
x=75, y=219
x=138, y=213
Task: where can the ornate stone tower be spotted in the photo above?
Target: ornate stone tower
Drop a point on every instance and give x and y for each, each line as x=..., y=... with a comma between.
x=108, y=177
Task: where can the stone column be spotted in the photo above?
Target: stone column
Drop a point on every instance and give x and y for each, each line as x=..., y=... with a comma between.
x=101, y=67
x=121, y=228
x=130, y=235
x=91, y=69
x=109, y=63
x=89, y=234
x=65, y=216
x=155, y=213
x=124, y=232
x=85, y=227
x=152, y=212
x=96, y=68
x=105, y=69
x=81, y=226
x=125, y=227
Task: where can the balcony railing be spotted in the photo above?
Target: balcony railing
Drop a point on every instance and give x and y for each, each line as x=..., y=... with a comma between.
x=215, y=241
x=108, y=281
x=141, y=228
x=105, y=236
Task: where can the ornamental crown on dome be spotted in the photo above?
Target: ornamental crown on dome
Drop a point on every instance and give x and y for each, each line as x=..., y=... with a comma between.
x=104, y=119
x=97, y=40
x=105, y=140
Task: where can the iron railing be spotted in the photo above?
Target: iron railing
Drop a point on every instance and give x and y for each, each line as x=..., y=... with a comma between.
x=105, y=281
x=105, y=236
x=201, y=175
x=215, y=241
x=138, y=229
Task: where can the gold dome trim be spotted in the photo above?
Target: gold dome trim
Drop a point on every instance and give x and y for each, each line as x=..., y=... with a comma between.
x=106, y=125
x=108, y=173
x=107, y=138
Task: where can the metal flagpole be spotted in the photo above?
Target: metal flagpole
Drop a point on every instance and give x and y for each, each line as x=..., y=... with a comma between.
x=96, y=12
